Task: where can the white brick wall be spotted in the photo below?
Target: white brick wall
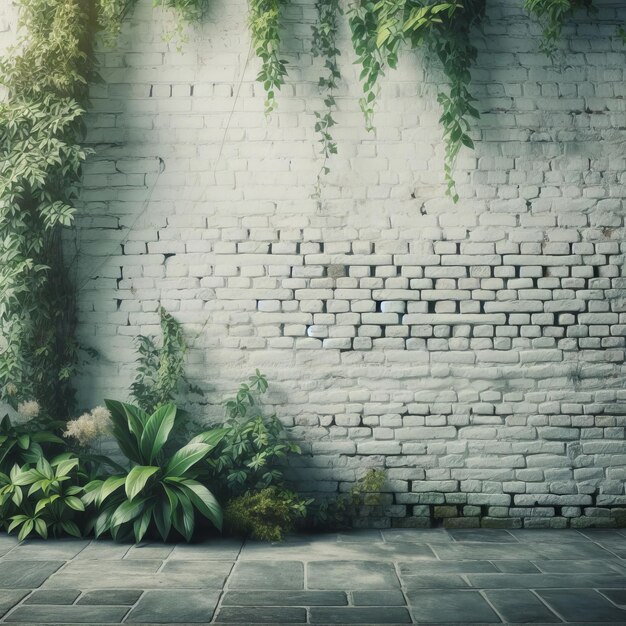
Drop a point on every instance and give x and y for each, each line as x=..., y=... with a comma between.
x=476, y=351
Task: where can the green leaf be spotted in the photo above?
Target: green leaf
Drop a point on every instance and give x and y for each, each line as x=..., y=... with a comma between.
x=157, y=431
x=211, y=437
x=204, y=501
x=162, y=518
x=141, y=524
x=74, y=503
x=122, y=432
x=137, y=479
x=109, y=486
x=26, y=529
x=41, y=528
x=184, y=458
x=127, y=511
x=71, y=529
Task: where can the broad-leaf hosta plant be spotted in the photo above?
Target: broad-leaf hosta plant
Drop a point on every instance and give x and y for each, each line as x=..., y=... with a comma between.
x=42, y=498
x=160, y=491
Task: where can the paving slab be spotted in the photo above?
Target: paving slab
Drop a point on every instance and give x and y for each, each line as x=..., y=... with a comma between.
x=103, y=550
x=517, y=567
x=447, y=567
x=268, y=575
x=48, y=550
x=351, y=575
x=52, y=596
x=417, y=535
x=360, y=536
x=262, y=615
x=588, y=566
x=578, y=605
x=26, y=574
x=435, y=581
x=456, y=607
x=144, y=551
x=438, y=576
x=211, y=550
x=521, y=607
x=50, y=614
x=482, y=535
x=580, y=550
x=104, y=597
x=333, y=549
x=388, y=597
x=360, y=615
x=7, y=543
x=285, y=598
x=9, y=598
x=535, y=535
x=173, y=606
x=544, y=581
x=616, y=596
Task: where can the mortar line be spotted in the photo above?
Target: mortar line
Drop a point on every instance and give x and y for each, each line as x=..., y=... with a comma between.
x=225, y=587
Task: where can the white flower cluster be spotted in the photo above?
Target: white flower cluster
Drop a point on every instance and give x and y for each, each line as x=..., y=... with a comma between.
x=89, y=426
x=26, y=411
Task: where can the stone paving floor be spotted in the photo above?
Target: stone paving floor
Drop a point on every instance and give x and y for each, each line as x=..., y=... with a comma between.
x=366, y=577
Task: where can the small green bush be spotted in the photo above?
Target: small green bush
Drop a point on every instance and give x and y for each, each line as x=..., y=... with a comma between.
x=267, y=515
x=42, y=498
x=248, y=457
x=340, y=512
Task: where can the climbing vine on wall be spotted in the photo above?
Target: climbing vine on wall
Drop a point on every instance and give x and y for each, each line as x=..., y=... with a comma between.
x=46, y=76
x=40, y=159
x=552, y=15
x=264, y=21
x=380, y=28
x=41, y=125
x=325, y=46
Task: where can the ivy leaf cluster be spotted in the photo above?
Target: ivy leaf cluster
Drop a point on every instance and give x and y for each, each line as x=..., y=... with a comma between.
x=552, y=15
x=379, y=30
x=47, y=77
x=264, y=23
x=325, y=46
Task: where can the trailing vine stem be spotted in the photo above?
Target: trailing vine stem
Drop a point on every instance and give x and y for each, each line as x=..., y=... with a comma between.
x=264, y=22
x=450, y=41
x=47, y=77
x=325, y=46
x=379, y=29
x=552, y=15
x=363, y=23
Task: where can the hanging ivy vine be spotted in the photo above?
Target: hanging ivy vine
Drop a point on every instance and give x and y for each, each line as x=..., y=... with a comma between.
x=552, y=15
x=380, y=29
x=325, y=46
x=264, y=21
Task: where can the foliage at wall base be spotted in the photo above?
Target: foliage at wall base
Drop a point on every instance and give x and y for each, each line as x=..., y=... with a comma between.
x=266, y=515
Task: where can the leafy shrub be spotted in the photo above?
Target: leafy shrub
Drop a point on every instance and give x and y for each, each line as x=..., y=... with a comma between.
x=161, y=489
x=49, y=504
x=21, y=442
x=247, y=457
x=341, y=511
x=266, y=515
